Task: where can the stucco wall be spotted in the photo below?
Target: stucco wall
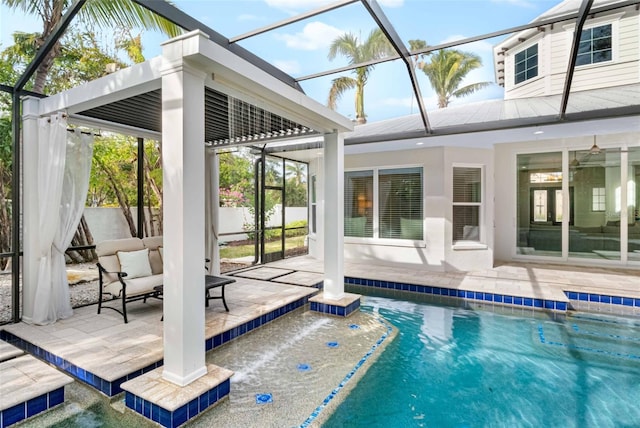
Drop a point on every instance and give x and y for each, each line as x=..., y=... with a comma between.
x=109, y=223
x=436, y=251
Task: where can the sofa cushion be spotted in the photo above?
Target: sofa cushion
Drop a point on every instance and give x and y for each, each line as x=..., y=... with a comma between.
x=135, y=263
x=135, y=286
x=107, y=257
x=154, y=243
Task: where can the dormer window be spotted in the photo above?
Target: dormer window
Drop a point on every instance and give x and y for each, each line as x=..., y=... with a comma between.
x=526, y=64
x=595, y=45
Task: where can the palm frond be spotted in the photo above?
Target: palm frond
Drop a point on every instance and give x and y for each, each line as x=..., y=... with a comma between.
x=446, y=71
x=106, y=13
x=470, y=89
x=339, y=85
x=346, y=45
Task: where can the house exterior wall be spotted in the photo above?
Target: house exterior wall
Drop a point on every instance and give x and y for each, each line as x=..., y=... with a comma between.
x=554, y=48
x=508, y=213
x=436, y=251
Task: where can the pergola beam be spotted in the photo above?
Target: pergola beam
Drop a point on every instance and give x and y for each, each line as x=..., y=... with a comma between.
x=387, y=28
x=577, y=34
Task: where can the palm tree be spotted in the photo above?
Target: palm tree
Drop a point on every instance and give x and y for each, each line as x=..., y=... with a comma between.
x=446, y=71
x=414, y=45
x=103, y=13
x=376, y=46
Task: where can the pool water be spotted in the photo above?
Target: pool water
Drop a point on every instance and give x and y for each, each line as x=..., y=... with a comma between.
x=460, y=367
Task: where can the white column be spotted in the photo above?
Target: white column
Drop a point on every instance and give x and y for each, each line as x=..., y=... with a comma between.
x=31, y=244
x=183, y=161
x=333, y=212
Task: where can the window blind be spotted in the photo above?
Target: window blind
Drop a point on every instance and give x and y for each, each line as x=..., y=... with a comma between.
x=358, y=204
x=467, y=201
x=400, y=203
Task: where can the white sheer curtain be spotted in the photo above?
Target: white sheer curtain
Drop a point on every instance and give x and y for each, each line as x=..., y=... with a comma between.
x=63, y=180
x=212, y=210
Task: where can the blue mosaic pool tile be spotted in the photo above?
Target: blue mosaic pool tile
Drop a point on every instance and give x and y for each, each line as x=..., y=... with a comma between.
x=605, y=299
x=31, y=407
x=37, y=405
x=583, y=297
x=182, y=414
x=627, y=301
x=14, y=414
x=549, y=304
x=264, y=398
x=594, y=297
x=508, y=300
x=616, y=300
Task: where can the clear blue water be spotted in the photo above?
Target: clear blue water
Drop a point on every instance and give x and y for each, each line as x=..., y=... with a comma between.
x=457, y=367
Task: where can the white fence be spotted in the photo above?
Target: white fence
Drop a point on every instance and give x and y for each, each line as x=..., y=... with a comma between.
x=110, y=223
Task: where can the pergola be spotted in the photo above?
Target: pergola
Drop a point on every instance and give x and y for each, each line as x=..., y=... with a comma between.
x=206, y=90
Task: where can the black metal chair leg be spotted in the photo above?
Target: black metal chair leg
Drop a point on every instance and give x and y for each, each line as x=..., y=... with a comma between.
x=124, y=307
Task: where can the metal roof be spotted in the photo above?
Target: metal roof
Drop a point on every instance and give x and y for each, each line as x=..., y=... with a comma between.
x=504, y=114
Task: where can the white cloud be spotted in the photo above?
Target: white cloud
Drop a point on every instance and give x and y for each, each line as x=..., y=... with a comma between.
x=288, y=66
x=249, y=17
x=476, y=47
x=519, y=3
x=314, y=35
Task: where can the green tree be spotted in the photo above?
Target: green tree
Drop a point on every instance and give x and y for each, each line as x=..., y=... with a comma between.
x=104, y=14
x=447, y=69
x=236, y=175
x=296, y=184
x=376, y=46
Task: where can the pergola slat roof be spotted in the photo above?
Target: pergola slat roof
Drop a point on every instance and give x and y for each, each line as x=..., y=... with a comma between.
x=228, y=120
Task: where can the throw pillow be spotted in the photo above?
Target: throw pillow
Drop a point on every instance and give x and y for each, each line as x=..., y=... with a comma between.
x=135, y=263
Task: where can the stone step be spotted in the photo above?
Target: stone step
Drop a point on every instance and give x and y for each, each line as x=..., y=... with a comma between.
x=8, y=351
x=28, y=387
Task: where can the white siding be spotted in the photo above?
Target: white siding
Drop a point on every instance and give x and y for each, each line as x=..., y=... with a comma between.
x=554, y=49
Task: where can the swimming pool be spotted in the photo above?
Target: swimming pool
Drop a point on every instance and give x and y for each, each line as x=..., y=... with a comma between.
x=460, y=367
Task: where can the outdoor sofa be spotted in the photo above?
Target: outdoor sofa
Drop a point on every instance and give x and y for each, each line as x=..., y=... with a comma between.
x=131, y=269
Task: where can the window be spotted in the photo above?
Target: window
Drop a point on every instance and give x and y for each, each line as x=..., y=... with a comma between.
x=598, y=202
x=384, y=203
x=400, y=203
x=595, y=45
x=526, y=64
x=314, y=209
x=467, y=203
x=358, y=204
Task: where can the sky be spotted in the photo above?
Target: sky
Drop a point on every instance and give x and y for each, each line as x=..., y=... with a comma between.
x=301, y=49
